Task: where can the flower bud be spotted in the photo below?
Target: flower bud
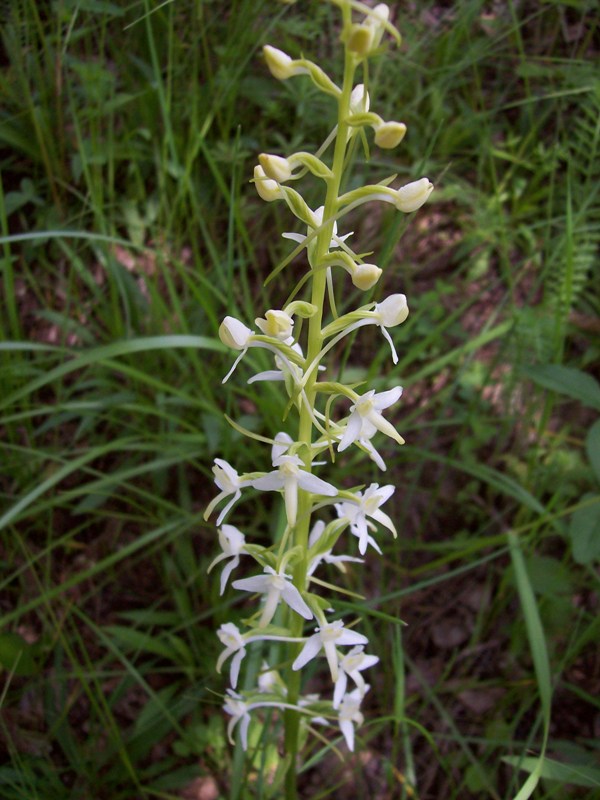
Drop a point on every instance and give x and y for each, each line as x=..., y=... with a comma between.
x=275, y=167
x=389, y=134
x=268, y=189
x=365, y=276
x=278, y=324
x=393, y=310
x=359, y=100
x=234, y=333
x=360, y=39
x=280, y=64
x=413, y=195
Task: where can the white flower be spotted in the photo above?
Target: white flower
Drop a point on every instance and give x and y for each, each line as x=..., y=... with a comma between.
x=351, y=665
x=290, y=477
x=268, y=189
x=349, y=714
x=238, y=709
x=359, y=100
x=230, y=483
x=363, y=506
x=365, y=276
x=391, y=312
x=317, y=216
x=232, y=543
x=327, y=557
x=235, y=334
x=366, y=413
x=234, y=642
x=277, y=324
x=327, y=637
x=277, y=586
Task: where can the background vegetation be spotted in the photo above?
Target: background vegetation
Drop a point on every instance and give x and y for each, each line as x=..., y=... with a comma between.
x=128, y=134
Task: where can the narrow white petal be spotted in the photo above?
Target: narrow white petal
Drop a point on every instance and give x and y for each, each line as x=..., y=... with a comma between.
x=308, y=652
x=244, y=731
x=351, y=637
x=386, y=399
x=384, y=520
x=310, y=483
x=258, y=583
x=291, y=499
x=235, y=667
x=267, y=375
x=270, y=607
x=295, y=237
x=331, y=655
x=216, y=560
x=385, y=427
x=387, y=336
x=228, y=507
x=347, y=728
x=235, y=363
x=269, y=483
x=352, y=432
x=340, y=689
x=227, y=570
x=293, y=598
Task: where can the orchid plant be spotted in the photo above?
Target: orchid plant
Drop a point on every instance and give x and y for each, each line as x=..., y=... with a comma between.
x=292, y=612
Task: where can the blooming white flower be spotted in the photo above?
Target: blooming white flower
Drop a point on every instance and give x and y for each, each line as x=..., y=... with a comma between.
x=359, y=99
x=277, y=586
x=235, y=334
x=391, y=312
x=351, y=665
x=232, y=543
x=327, y=557
x=349, y=714
x=326, y=638
x=235, y=645
x=230, y=483
x=278, y=324
x=290, y=476
x=238, y=709
x=363, y=506
x=366, y=412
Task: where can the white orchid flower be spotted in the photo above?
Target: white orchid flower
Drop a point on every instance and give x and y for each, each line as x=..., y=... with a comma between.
x=350, y=666
x=230, y=483
x=232, y=543
x=349, y=715
x=327, y=638
x=277, y=586
x=327, y=557
x=363, y=506
x=239, y=710
x=290, y=476
x=235, y=645
x=366, y=413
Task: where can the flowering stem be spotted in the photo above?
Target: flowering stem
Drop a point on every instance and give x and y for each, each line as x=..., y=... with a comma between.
x=313, y=357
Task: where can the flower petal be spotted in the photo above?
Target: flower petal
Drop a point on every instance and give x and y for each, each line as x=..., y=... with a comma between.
x=308, y=652
x=293, y=598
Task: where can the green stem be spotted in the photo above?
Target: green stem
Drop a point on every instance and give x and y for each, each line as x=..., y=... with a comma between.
x=315, y=344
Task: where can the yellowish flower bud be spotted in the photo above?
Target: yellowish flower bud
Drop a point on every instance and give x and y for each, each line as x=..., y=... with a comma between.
x=268, y=189
x=413, y=195
x=360, y=39
x=280, y=64
x=277, y=324
x=389, y=134
x=275, y=167
x=365, y=276
x=393, y=310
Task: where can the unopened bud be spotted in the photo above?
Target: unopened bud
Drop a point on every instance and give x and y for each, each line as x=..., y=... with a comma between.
x=280, y=64
x=275, y=167
x=359, y=100
x=389, y=134
x=413, y=195
x=360, y=39
x=365, y=276
x=268, y=189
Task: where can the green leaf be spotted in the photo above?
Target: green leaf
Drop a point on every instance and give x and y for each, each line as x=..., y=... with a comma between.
x=592, y=446
x=16, y=655
x=567, y=380
x=577, y=774
x=584, y=530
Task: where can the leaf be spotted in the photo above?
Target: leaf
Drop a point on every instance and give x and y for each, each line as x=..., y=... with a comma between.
x=16, y=655
x=567, y=380
x=592, y=446
x=584, y=530
x=577, y=774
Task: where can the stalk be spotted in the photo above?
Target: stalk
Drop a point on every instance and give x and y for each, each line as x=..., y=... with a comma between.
x=314, y=347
